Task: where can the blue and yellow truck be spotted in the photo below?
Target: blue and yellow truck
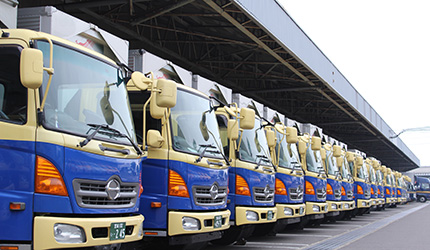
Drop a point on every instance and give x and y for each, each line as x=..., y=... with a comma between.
x=315, y=179
x=347, y=192
x=379, y=184
x=334, y=180
x=361, y=182
x=251, y=175
x=422, y=188
x=185, y=176
x=70, y=165
x=289, y=186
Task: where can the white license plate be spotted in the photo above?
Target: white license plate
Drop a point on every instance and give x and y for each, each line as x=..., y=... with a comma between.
x=218, y=221
x=269, y=215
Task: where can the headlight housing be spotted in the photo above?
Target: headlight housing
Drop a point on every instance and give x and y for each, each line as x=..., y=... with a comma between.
x=70, y=234
x=190, y=224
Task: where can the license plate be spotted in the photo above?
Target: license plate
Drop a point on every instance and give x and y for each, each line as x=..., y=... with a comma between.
x=269, y=215
x=218, y=221
x=117, y=231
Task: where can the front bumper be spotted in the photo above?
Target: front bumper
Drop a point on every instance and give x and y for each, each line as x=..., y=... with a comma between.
x=206, y=220
x=298, y=210
x=348, y=205
x=316, y=208
x=44, y=238
x=363, y=203
x=262, y=213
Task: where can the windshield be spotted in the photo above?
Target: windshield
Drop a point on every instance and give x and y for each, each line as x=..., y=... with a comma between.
x=388, y=180
x=372, y=175
x=313, y=160
x=362, y=172
x=345, y=169
x=194, y=125
x=253, y=147
x=287, y=153
x=330, y=161
x=85, y=90
x=379, y=177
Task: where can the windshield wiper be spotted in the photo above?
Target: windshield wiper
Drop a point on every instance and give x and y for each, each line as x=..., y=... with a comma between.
x=261, y=158
x=116, y=133
x=206, y=146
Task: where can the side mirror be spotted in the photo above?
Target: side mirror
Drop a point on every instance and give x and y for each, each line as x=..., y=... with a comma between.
x=350, y=156
x=339, y=162
x=337, y=151
x=359, y=161
x=302, y=147
x=292, y=135
x=140, y=81
x=233, y=129
x=31, y=68
x=166, y=97
x=316, y=143
x=323, y=154
x=156, y=111
x=247, y=118
x=154, y=139
x=271, y=138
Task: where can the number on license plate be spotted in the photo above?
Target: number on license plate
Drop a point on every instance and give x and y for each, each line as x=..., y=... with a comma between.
x=117, y=231
x=218, y=221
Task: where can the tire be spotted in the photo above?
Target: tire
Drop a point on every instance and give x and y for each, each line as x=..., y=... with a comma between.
x=422, y=199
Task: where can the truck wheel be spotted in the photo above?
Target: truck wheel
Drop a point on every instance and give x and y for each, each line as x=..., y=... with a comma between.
x=422, y=199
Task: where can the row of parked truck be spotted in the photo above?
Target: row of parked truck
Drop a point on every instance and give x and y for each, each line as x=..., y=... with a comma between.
x=94, y=154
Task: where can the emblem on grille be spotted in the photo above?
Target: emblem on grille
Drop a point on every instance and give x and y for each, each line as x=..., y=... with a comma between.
x=266, y=191
x=113, y=189
x=214, y=191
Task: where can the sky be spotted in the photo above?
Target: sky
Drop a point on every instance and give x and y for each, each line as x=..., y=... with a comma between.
x=383, y=48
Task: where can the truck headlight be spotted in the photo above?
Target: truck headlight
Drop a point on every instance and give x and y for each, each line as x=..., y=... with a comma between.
x=65, y=233
x=333, y=206
x=363, y=203
x=190, y=224
x=346, y=205
x=251, y=215
x=288, y=211
x=315, y=208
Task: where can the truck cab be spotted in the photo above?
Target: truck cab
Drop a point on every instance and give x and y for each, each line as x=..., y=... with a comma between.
x=185, y=176
x=334, y=179
x=361, y=182
x=373, y=184
x=315, y=178
x=348, y=202
x=379, y=184
x=410, y=189
x=70, y=165
x=251, y=174
x=389, y=193
x=422, y=185
x=289, y=186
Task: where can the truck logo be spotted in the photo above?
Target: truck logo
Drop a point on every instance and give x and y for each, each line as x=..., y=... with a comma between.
x=113, y=189
x=214, y=191
x=266, y=191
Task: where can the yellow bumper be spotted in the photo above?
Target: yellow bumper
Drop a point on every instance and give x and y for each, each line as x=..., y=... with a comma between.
x=363, y=203
x=296, y=210
x=175, y=222
x=381, y=201
x=320, y=208
x=262, y=212
x=334, y=206
x=348, y=205
x=44, y=231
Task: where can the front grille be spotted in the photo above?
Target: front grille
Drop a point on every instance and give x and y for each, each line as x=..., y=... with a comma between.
x=296, y=193
x=209, y=195
x=350, y=194
x=264, y=195
x=105, y=194
x=367, y=194
x=321, y=193
x=337, y=193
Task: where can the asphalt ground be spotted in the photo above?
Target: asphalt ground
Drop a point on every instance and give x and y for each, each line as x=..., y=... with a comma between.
x=403, y=227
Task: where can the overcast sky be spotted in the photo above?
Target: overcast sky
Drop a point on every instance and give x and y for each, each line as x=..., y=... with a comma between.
x=383, y=48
